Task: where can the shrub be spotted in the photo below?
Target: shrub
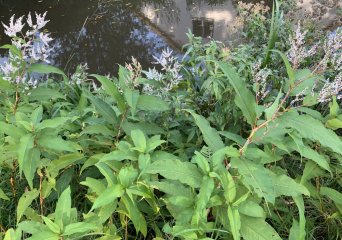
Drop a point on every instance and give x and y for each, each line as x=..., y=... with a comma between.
x=222, y=144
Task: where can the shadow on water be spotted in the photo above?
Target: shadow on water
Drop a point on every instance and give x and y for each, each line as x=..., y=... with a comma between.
x=104, y=33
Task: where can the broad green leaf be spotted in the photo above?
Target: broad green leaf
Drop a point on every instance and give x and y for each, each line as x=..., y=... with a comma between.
x=120, y=155
x=305, y=80
x=127, y=176
x=312, y=129
x=234, y=222
x=132, y=97
x=227, y=182
x=148, y=128
x=257, y=228
x=57, y=144
x=265, y=183
x=12, y=130
x=153, y=143
x=30, y=165
x=37, y=115
x=13, y=49
x=135, y=215
x=244, y=98
x=139, y=140
x=234, y=137
x=103, y=108
x=44, y=94
x=6, y=85
x=80, y=227
x=152, y=103
x=172, y=188
x=45, y=69
x=51, y=225
x=308, y=152
x=25, y=201
x=334, y=108
x=289, y=69
x=185, y=172
x=111, y=89
x=222, y=154
x=144, y=160
x=269, y=112
x=210, y=135
x=334, y=124
x=63, y=209
x=55, y=123
x=97, y=129
x=107, y=172
x=32, y=227
x=206, y=189
x=124, y=75
x=251, y=209
x=295, y=230
x=95, y=185
x=63, y=161
x=46, y=235
x=302, y=221
x=311, y=112
x=311, y=170
x=108, y=196
x=24, y=151
x=3, y=195
x=202, y=162
x=332, y=194
x=11, y=234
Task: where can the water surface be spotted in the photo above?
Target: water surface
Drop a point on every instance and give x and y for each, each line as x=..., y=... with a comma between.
x=105, y=33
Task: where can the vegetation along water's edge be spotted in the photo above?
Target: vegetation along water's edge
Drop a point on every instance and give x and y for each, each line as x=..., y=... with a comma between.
x=238, y=141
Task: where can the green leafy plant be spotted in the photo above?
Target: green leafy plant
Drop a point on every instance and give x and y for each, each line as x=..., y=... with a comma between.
x=210, y=147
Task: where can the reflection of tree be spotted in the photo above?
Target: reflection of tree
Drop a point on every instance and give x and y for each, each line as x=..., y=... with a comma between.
x=166, y=10
x=111, y=34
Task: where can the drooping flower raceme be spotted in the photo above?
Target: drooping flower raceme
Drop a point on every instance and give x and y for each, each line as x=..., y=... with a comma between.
x=330, y=89
x=170, y=76
x=33, y=46
x=298, y=51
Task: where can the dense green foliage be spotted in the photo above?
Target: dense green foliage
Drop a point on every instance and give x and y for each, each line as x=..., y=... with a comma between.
x=203, y=150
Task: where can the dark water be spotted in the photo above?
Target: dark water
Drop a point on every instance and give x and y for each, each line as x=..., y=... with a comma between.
x=105, y=33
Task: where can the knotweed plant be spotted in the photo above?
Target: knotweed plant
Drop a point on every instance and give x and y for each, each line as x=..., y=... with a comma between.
x=127, y=162
x=329, y=62
x=30, y=44
x=169, y=77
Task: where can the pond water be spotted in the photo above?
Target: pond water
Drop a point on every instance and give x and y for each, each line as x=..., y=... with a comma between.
x=104, y=33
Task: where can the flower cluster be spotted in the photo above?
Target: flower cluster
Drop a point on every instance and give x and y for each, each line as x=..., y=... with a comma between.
x=298, y=51
x=260, y=77
x=170, y=65
x=135, y=72
x=80, y=75
x=330, y=89
x=33, y=45
x=170, y=77
x=333, y=51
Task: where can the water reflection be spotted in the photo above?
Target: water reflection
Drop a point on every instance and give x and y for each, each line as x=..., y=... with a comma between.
x=104, y=33
x=99, y=33
x=208, y=19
